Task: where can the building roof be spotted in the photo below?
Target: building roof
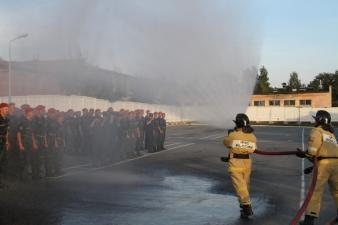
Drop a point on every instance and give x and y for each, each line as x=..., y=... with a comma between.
x=287, y=91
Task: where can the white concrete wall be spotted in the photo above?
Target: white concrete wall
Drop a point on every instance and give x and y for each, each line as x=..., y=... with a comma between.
x=287, y=114
x=174, y=113
x=63, y=103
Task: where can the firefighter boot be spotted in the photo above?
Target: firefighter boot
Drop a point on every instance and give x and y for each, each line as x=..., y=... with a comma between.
x=309, y=220
x=246, y=211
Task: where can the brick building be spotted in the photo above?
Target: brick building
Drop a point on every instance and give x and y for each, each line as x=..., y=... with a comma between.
x=294, y=98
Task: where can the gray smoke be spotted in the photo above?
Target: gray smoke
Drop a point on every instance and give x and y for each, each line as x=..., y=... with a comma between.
x=203, y=54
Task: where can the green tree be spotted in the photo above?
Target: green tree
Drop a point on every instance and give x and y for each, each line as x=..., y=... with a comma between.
x=327, y=79
x=262, y=82
x=294, y=81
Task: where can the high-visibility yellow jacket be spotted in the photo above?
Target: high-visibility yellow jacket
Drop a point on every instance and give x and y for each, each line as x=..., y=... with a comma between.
x=322, y=143
x=239, y=142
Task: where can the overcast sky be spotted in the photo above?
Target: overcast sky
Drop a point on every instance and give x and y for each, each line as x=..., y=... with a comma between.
x=295, y=35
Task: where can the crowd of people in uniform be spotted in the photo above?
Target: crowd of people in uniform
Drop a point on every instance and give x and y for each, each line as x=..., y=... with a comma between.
x=33, y=141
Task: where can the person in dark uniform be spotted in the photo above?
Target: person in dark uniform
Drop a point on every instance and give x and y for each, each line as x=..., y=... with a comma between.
x=52, y=129
x=142, y=131
x=86, y=120
x=77, y=129
x=13, y=153
x=59, y=145
x=149, y=131
x=91, y=113
x=96, y=127
x=27, y=145
x=40, y=131
x=70, y=131
x=105, y=137
x=146, y=118
x=133, y=134
x=157, y=132
x=139, y=131
x=163, y=126
x=123, y=134
x=4, y=143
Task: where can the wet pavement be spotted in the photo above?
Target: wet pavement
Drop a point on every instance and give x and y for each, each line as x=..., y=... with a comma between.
x=185, y=185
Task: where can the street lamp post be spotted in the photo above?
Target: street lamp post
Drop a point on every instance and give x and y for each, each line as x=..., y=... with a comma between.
x=10, y=65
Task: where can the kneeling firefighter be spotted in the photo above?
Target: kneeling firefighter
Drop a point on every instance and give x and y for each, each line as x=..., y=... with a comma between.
x=241, y=143
x=323, y=145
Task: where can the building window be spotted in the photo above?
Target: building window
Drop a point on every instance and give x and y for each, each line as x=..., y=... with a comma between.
x=305, y=102
x=289, y=102
x=259, y=103
x=274, y=103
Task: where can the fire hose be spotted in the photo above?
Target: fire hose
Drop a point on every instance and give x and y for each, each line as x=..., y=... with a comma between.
x=332, y=221
x=309, y=194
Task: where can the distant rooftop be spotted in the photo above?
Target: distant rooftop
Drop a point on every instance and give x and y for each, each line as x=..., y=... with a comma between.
x=286, y=90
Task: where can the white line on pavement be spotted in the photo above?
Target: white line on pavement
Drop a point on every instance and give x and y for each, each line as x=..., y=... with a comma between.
x=175, y=143
x=210, y=136
x=77, y=166
x=302, y=189
x=218, y=137
x=122, y=162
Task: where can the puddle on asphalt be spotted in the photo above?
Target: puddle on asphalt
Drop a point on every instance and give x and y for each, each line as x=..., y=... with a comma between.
x=178, y=200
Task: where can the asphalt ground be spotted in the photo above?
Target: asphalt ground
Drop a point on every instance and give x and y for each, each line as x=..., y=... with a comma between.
x=186, y=184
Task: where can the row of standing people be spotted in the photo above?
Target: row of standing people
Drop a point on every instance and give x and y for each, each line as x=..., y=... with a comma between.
x=34, y=140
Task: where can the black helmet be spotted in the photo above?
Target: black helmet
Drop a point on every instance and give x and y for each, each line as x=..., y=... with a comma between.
x=322, y=117
x=242, y=120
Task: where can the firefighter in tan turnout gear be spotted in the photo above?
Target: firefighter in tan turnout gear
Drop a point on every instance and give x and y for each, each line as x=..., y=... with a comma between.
x=241, y=143
x=323, y=145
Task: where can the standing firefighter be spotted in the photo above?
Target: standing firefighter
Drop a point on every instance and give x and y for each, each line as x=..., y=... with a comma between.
x=241, y=143
x=4, y=144
x=322, y=145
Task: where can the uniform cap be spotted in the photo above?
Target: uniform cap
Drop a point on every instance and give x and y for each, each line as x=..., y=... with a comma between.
x=51, y=110
x=28, y=110
x=3, y=105
x=40, y=107
x=24, y=106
